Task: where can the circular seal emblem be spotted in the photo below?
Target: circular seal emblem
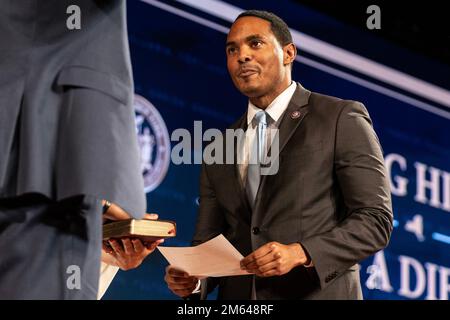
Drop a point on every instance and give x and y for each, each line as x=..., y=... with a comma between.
x=154, y=143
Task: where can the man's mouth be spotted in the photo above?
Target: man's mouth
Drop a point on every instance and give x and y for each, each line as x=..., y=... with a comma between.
x=247, y=72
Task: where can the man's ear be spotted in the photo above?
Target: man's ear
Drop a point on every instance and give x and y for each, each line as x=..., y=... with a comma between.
x=289, y=53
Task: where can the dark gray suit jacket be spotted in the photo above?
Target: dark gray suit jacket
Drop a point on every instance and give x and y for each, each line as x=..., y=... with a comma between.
x=66, y=115
x=331, y=194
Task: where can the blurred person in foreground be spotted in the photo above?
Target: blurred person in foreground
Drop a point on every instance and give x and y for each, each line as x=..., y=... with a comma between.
x=68, y=147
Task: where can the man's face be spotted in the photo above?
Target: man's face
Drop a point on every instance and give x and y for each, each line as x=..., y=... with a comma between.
x=255, y=59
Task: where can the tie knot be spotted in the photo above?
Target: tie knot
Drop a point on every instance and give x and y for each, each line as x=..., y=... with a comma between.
x=260, y=118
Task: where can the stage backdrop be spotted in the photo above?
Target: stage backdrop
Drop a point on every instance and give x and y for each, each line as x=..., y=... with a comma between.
x=178, y=56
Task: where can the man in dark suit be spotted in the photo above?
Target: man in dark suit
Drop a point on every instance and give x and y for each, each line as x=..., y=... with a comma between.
x=305, y=228
x=67, y=143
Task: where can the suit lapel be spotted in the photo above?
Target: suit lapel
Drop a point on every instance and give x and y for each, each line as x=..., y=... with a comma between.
x=293, y=116
x=291, y=119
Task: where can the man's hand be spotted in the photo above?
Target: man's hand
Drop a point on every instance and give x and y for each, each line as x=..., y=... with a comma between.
x=274, y=259
x=128, y=253
x=179, y=282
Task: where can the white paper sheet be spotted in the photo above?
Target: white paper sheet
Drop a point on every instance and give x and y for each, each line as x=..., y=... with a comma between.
x=214, y=258
x=107, y=274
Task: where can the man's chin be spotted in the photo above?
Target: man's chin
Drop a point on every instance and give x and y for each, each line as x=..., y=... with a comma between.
x=249, y=90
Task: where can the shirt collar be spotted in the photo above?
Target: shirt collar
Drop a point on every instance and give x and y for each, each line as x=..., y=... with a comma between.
x=276, y=107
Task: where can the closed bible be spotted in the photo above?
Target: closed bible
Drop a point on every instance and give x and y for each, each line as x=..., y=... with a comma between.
x=146, y=230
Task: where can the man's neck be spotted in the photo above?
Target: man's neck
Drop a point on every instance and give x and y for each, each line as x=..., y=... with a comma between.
x=263, y=102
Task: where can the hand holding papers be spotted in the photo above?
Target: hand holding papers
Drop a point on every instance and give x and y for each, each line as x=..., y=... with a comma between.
x=214, y=258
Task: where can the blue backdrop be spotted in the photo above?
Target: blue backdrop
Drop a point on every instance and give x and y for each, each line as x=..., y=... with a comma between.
x=179, y=66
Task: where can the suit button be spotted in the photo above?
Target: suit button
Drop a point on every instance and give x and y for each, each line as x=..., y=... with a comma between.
x=255, y=230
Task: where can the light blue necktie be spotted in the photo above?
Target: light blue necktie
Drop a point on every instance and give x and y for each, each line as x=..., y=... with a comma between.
x=254, y=169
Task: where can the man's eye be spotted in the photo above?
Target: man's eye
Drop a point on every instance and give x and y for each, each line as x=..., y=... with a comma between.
x=231, y=50
x=256, y=43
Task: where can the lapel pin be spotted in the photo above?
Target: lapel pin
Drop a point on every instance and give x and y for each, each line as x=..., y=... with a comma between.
x=296, y=114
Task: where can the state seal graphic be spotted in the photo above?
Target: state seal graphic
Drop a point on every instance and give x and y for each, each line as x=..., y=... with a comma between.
x=154, y=143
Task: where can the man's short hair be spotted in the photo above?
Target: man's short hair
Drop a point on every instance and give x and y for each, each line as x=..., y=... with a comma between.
x=279, y=28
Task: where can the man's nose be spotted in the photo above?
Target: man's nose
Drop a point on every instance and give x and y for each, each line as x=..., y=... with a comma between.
x=244, y=55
